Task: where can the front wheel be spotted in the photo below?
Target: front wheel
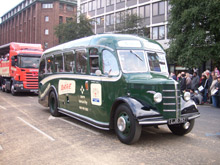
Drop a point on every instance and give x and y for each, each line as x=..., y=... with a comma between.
x=13, y=92
x=53, y=104
x=126, y=126
x=182, y=129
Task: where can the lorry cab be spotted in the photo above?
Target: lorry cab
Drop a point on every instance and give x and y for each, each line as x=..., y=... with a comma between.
x=114, y=81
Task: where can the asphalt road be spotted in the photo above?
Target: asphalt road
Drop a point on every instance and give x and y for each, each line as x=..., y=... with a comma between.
x=30, y=135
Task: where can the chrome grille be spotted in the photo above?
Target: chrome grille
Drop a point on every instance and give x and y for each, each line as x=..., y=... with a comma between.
x=171, y=98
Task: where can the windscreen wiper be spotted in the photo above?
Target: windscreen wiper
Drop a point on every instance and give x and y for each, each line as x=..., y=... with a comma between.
x=131, y=51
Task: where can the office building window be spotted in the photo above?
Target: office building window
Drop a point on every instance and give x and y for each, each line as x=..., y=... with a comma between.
x=46, y=18
x=60, y=19
x=109, y=2
x=100, y=4
x=118, y=1
x=120, y=16
x=84, y=7
x=109, y=19
x=144, y=11
x=100, y=22
x=158, y=33
x=46, y=32
x=158, y=8
x=91, y=6
x=47, y=5
x=132, y=11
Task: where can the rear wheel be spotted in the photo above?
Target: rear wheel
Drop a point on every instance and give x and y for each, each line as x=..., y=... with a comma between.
x=53, y=104
x=126, y=126
x=182, y=129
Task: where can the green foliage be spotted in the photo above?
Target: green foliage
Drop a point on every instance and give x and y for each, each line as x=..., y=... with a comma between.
x=132, y=24
x=194, y=30
x=73, y=30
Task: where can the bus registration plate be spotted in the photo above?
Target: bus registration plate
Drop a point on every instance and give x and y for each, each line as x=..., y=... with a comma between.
x=177, y=121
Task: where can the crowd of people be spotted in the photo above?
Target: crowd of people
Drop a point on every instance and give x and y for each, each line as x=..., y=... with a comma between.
x=204, y=89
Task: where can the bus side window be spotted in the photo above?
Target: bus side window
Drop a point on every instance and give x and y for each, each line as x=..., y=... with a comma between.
x=69, y=62
x=58, y=63
x=81, y=62
x=93, y=60
x=50, y=64
x=109, y=63
x=42, y=67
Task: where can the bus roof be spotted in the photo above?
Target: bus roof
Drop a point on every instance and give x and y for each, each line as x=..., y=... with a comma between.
x=113, y=41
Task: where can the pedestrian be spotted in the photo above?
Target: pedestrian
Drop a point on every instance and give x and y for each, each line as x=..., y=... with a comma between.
x=207, y=88
x=195, y=81
x=213, y=91
x=217, y=94
x=188, y=81
x=216, y=71
x=173, y=76
x=202, y=87
x=182, y=80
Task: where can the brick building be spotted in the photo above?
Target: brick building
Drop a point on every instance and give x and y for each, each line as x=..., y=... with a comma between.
x=33, y=21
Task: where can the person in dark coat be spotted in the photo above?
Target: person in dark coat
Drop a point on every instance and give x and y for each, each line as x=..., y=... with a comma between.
x=182, y=81
x=195, y=81
x=217, y=86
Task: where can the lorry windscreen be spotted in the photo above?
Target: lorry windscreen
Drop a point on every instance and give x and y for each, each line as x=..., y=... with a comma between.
x=29, y=62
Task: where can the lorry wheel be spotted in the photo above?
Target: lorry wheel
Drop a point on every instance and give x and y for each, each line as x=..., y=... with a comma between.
x=53, y=104
x=13, y=90
x=126, y=126
x=182, y=129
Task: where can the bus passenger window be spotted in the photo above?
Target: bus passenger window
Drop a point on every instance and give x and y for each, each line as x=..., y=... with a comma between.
x=58, y=63
x=69, y=62
x=42, y=67
x=94, y=63
x=110, y=65
x=49, y=64
x=81, y=62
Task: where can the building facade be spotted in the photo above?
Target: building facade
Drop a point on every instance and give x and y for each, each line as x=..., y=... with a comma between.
x=33, y=21
x=108, y=13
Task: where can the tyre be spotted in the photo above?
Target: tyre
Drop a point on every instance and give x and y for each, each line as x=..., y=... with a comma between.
x=126, y=126
x=13, y=90
x=182, y=129
x=53, y=104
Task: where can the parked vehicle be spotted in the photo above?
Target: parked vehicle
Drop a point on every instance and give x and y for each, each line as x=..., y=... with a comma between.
x=114, y=81
x=19, y=67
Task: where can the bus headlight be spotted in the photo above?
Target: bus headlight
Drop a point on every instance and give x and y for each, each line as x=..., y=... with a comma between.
x=187, y=96
x=157, y=97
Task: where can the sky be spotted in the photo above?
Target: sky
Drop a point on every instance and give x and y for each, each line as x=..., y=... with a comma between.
x=6, y=5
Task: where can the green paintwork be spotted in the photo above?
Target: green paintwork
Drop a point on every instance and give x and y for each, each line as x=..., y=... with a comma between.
x=135, y=85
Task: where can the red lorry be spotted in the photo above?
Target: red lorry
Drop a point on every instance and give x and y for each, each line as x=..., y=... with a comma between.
x=19, y=67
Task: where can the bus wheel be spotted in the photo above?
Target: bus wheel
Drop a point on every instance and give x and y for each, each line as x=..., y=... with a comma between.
x=182, y=129
x=53, y=104
x=126, y=126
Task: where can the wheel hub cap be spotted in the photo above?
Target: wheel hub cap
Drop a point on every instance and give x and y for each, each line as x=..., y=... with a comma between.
x=121, y=123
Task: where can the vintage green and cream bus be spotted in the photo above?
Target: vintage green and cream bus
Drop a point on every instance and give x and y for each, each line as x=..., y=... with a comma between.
x=114, y=81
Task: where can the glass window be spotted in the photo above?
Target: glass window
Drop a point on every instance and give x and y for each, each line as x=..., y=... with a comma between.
x=81, y=62
x=49, y=64
x=42, y=67
x=46, y=18
x=132, y=61
x=110, y=65
x=155, y=9
x=157, y=62
x=141, y=11
x=58, y=63
x=161, y=32
x=29, y=62
x=69, y=8
x=147, y=11
x=69, y=62
x=47, y=5
x=155, y=33
x=61, y=6
x=161, y=7
x=46, y=32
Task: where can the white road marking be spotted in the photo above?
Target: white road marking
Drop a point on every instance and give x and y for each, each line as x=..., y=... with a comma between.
x=30, y=97
x=2, y=107
x=35, y=128
x=81, y=127
x=1, y=149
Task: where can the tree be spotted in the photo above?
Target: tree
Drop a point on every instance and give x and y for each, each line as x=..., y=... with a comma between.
x=132, y=24
x=73, y=30
x=194, y=30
